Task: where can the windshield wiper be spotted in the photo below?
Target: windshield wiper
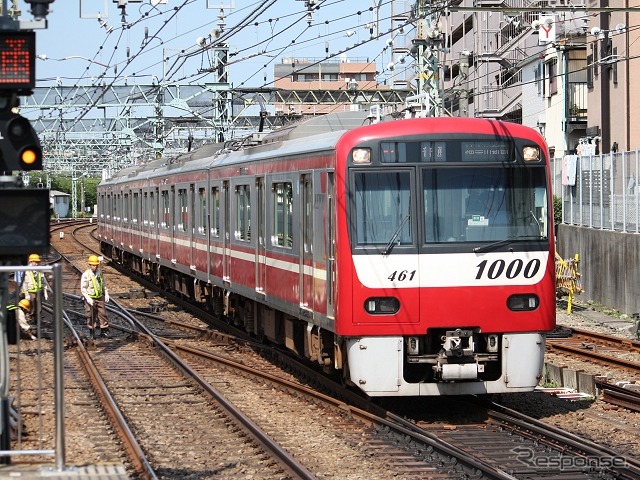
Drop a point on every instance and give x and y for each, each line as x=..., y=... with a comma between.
x=506, y=241
x=394, y=237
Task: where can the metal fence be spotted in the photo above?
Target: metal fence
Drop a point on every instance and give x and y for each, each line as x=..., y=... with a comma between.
x=24, y=395
x=599, y=191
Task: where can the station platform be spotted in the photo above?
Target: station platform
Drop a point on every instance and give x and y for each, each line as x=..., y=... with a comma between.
x=106, y=471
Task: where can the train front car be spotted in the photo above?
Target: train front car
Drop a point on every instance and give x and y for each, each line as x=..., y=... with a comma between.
x=446, y=276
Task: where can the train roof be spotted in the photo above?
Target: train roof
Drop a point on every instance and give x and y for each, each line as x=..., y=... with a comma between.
x=311, y=134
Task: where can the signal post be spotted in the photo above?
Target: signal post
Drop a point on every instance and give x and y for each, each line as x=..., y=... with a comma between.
x=24, y=212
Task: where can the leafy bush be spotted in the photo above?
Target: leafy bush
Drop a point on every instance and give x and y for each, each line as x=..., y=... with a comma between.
x=557, y=210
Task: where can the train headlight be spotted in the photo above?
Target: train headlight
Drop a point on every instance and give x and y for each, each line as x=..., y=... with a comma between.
x=531, y=154
x=382, y=305
x=523, y=303
x=361, y=156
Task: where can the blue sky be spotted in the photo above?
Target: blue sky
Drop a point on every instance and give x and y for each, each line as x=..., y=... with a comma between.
x=81, y=50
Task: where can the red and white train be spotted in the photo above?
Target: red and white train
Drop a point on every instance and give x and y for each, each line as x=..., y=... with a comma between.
x=414, y=256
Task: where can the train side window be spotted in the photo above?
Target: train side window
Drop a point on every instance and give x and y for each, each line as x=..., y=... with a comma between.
x=135, y=209
x=282, y=214
x=243, y=213
x=202, y=205
x=184, y=210
x=152, y=210
x=215, y=211
x=166, y=210
x=125, y=213
x=145, y=209
x=116, y=201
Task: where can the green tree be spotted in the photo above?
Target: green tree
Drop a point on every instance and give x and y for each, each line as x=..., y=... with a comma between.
x=557, y=210
x=63, y=183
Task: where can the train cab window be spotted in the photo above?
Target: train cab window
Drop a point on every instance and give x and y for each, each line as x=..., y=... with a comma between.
x=183, y=224
x=215, y=212
x=382, y=208
x=202, y=206
x=243, y=213
x=166, y=210
x=282, y=214
x=474, y=204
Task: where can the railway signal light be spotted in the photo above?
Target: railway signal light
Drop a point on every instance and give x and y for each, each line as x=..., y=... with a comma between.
x=19, y=145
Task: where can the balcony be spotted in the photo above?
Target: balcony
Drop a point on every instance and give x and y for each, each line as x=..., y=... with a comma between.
x=576, y=105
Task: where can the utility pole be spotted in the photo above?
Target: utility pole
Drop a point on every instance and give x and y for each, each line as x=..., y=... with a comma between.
x=426, y=43
x=463, y=107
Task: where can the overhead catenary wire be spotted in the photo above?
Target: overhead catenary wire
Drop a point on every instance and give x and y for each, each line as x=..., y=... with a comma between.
x=103, y=81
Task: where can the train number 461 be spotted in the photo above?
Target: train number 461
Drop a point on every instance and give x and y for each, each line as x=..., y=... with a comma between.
x=402, y=275
x=514, y=269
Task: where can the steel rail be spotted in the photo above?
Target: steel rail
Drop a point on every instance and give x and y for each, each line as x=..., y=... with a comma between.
x=134, y=451
x=264, y=440
x=610, y=340
x=620, y=396
x=618, y=362
x=524, y=424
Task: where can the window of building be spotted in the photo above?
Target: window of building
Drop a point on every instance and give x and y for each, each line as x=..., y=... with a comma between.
x=553, y=76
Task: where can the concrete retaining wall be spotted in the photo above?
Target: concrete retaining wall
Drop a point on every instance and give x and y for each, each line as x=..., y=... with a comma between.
x=609, y=264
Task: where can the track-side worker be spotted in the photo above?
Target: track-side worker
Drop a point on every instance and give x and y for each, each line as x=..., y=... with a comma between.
x=95, y=295
x=20, y=311
x=34, y=288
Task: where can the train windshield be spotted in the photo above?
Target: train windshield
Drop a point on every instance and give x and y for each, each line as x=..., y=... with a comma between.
x=471, y=204
x=382, y=203
x=462, y=203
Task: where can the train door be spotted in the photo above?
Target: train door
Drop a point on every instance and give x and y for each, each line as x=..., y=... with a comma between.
x=226, y=239
x=330, y=246
x=138, y=246
x=109, y=218
x=306, y=243
x=190, y=226
x=175, y=217
x=155, y=220
x=126, y=219
x=144, y=225
x=261, y=243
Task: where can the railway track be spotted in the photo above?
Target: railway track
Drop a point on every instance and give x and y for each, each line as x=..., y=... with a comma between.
x=404, y=447
x=599, y=348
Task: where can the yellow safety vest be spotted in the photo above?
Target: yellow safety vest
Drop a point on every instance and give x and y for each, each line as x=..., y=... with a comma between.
x=37, y=283
x=97, y=289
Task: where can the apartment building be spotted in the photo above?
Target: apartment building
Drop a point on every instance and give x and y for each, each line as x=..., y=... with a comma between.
x=324, y=85
x=564, y=67
x=613, y=76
